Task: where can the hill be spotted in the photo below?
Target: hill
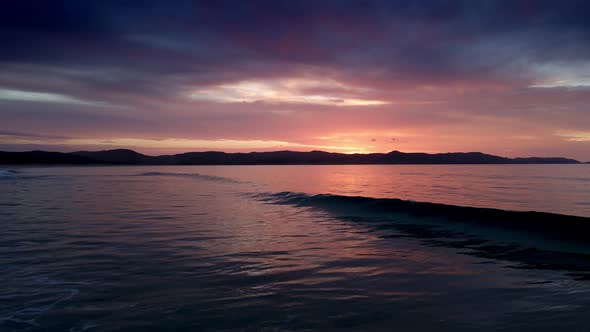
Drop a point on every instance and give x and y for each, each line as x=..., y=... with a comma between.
x=130, y=157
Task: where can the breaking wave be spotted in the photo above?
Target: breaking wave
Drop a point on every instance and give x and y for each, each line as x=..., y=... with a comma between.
x=532, y=240
x=550, y=224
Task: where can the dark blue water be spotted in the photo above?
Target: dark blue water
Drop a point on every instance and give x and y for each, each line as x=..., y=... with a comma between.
x=151, y=249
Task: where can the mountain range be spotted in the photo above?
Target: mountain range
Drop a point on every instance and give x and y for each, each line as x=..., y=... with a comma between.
x=130, y=157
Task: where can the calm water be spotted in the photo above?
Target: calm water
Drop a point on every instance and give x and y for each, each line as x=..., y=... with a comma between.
x=252, y=248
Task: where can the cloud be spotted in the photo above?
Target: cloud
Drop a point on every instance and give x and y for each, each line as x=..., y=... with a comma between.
x=287, y=90
x=574, y=136
x=16, y=134
x=428, y=42
x=572, y=74
x=44, y=97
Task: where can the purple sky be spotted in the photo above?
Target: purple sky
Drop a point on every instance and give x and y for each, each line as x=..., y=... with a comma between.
x=503, y=77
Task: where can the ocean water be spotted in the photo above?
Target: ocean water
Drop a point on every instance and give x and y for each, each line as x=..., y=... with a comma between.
x=273, y=248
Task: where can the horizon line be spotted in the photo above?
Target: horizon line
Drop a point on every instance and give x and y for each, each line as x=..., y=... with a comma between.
x=294, y=151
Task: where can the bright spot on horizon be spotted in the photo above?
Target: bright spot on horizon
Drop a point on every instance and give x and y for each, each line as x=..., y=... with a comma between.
x=293, y=90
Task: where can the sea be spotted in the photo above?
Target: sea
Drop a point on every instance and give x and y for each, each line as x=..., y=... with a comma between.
x=295, y=248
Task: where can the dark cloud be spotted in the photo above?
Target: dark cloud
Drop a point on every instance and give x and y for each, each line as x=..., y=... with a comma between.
x=208, y=41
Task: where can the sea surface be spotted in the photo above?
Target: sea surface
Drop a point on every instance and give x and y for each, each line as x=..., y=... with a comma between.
x=307, y=248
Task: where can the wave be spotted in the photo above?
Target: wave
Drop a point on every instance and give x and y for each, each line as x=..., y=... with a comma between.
x=528, y=240
x=192, y=175
x=7, y=173
x=548, y=224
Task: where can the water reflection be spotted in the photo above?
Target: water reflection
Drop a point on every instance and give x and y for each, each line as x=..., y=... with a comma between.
x=561, y=189
x=98, y=249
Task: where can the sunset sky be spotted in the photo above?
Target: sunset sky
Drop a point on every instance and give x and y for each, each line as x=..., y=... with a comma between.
x=504, y=77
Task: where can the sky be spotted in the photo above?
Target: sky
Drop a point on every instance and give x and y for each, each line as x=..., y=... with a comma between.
x=510, y=78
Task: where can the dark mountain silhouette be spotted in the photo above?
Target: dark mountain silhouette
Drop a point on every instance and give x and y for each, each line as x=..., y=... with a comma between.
x=43, y=157
x=130, y=157
x=119, y=156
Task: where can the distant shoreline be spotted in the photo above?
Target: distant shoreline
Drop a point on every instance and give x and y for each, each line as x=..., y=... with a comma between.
x=215, y=158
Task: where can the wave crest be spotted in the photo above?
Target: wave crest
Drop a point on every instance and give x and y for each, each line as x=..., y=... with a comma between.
x=549, y=224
